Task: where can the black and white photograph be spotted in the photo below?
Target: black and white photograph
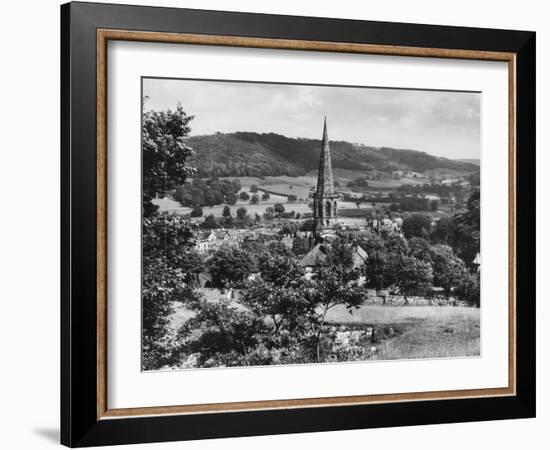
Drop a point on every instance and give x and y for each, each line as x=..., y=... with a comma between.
x=300, y=224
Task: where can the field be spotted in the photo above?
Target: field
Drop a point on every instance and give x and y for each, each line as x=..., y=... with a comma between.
x=301, y=186
x=420, y=331
x=281, y=187
x=169, y=205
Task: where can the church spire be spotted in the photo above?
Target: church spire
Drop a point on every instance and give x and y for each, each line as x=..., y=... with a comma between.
x=325, y=208
x=325, y=180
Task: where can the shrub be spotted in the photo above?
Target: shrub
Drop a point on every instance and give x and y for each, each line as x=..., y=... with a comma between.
x=196, y=211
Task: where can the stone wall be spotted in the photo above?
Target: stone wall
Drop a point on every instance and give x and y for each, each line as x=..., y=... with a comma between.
x=375, y=298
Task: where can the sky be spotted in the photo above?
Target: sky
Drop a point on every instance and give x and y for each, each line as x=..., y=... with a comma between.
x=440, y=123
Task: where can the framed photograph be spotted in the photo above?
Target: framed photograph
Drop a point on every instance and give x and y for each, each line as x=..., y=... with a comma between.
x=276, y=224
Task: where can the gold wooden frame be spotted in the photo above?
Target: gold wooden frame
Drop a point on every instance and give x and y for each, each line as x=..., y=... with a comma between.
x=103, y=36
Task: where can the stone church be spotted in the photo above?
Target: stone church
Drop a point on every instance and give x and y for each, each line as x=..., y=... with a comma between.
x=325, y=207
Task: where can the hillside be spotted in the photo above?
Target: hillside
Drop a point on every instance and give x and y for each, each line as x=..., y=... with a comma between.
x=475, y=161
x=269, y=154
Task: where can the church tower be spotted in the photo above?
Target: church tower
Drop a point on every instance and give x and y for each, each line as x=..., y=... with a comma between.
x=325, y=210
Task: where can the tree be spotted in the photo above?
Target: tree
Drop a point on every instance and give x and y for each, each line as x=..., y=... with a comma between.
x=434, y=205
x=300, y=246
x=282, y=300
x=255, y=199
x=269, y=213
x=226, y=211
x=449, y=270
x=333, y=286
x=229, y=267
x=279, y=269
x=468, y=289
x=165, y=155
x=221, y=335
x=168, y=265
x=162, y=286
x=296, y=307
x=288, y=228
x=396, y=245
x=279, y=208
x=231, y=198
x=444, y=231
x=254, y=188
x=206, y=192
x=417, y=225
x=278, y=248
x=242, y=213
x=196, y=211
x=340, y=254
x=210, y=222
x=191, y=263
x=167, y=237
x=292, y=198
x=244, y=196
x=420, y=249
x=414, y=204
x=413, y=275
x=265, y=196
x=376, y=270
x=467, y=229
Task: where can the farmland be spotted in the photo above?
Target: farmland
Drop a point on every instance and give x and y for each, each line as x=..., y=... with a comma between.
x=280, y=187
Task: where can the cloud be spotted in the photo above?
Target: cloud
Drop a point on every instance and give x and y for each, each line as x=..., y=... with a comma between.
x=440, y=123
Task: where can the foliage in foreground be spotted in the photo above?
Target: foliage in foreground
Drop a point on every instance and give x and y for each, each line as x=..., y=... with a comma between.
x=282, y=318
x=164, y=153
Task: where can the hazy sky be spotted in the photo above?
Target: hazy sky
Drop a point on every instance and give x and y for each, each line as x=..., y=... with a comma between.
x=440, y=123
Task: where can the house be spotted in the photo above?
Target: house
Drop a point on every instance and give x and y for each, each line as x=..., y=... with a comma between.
x=315, y=257
x=359, y=256
x=436, y=291
x=318, y=255
x=477, y=261
x=254, y=276
x=203, y=280
x=202, y=246
x=287, y=241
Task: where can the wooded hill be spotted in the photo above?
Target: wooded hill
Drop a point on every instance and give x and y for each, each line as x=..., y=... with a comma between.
x=270, y=154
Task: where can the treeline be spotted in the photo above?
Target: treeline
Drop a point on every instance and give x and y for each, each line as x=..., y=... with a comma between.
x=209, y=192
x=460, y=231
x=358, y=183
x=242, y=218
x=442, y=190
x=396, y=203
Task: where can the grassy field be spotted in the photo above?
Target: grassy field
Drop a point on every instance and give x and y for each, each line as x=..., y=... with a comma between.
x=301, y=186
x=420, y=331
x=169, y=205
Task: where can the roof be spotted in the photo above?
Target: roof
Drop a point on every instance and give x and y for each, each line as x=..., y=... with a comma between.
x=359, y=256
x=314, y=257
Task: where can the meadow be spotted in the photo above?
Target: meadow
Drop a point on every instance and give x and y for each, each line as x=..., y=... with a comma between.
x=417, y=331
